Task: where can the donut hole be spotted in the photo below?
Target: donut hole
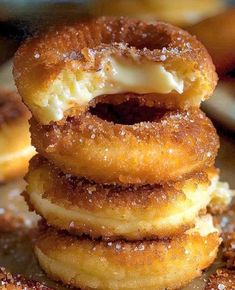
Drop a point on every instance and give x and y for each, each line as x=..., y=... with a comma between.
x=127, y=113
x=149, y=40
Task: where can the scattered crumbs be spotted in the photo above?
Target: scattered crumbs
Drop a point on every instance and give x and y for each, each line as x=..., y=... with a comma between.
x=221, y=280
x=9, y=281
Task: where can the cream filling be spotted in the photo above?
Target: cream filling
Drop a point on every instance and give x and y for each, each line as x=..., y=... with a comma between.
x=28, y=151
x=115, y=76
x=129, y=224
x=222, y=195
x=204, y=226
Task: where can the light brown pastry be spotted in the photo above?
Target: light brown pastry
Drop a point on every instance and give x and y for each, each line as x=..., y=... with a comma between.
x=171, y=146
x=113, y=212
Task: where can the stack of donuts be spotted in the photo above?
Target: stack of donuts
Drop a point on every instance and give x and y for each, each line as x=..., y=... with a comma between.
x=124, y=174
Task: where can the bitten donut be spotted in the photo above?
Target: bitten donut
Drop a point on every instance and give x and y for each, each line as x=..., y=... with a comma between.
x=113, y=212
x=155, y=265
x=60, y=72
x=218, y=35
x=169, y=147
x=15, y=148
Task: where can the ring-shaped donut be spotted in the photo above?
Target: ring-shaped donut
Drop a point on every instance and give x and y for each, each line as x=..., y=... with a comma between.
x=147, y=265
x=113, y=212
x=171, y=146
x=61, y=71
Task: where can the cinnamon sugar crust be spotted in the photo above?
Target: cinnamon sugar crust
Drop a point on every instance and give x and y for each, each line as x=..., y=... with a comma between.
x=89, y=146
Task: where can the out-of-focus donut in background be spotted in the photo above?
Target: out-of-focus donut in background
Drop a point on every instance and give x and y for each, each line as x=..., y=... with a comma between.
x=217, y=33
x=15, y=145
x=180, y=12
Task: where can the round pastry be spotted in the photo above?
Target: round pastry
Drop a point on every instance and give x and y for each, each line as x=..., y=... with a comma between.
x=168, y=146
x=159, y=264
x=111, y=212
x=60, y=72
x=218, y=35
x=15, y=148
x=180, y=12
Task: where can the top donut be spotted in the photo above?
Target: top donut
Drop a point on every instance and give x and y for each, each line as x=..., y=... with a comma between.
x=62, y=70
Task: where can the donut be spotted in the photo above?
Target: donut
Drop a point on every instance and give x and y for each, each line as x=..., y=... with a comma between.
x=218, y=35
x=15, y=148
x=113, y=212
x=156, y=264
x=144, y=152
x=59, y=72
x=180, y=13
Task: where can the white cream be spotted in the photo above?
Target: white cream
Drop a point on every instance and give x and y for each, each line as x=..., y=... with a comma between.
x=116, y=76
x=204, y=226
x=222, y=195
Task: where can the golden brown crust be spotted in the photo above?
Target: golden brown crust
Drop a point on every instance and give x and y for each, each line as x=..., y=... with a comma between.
x=111, y=211
x=90, y=195
x=17, y=282
x=83, y=46
x=135, y=265
x=89, y=146
x=222, y=49
x=224, y=279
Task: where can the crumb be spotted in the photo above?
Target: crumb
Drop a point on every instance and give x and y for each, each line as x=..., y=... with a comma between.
x=17, y=282
x=223, y=279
